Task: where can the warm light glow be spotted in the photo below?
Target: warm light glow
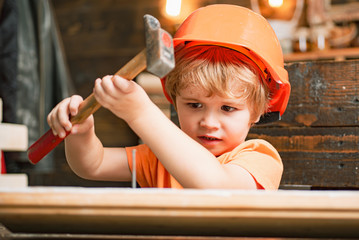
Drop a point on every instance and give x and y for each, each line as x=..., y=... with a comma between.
x=275, y=3
x=173, y=7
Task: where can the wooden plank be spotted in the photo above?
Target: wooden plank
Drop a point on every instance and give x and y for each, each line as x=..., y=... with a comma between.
x=346, y=11
x=13, y=180
x=329, y=54
x=319, y=157
x=6, y=234
x=323, y=94
x=181, y=212
x=13, y=137
x=312, y=169
x=324, y=140
x=317, y=137
x=38, y=236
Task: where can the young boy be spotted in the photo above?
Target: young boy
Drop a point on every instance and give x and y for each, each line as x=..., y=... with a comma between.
x=229, y=72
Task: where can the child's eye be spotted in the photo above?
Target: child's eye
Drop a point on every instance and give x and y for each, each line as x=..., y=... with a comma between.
x=194, y=105
x=228, y=108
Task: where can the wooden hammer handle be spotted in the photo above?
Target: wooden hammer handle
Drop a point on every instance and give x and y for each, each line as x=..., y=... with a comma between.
x=48, y=141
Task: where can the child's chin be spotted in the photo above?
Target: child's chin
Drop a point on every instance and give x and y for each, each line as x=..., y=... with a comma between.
x=216, y=153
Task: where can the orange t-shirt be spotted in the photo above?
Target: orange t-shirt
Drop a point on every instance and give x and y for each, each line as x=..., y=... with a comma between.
x=257, y=156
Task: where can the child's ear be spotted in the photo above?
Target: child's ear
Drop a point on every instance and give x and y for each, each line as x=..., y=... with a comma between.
x=257, y=120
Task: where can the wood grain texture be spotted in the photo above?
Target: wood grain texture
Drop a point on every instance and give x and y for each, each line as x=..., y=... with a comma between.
x=181, y=212
x=323, y=94
x=318, y=136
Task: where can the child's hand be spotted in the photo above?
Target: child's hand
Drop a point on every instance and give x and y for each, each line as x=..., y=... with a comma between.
x=126, y=99
x=59, y=118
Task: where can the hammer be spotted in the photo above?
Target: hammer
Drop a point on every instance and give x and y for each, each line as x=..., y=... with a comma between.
x=157, y=57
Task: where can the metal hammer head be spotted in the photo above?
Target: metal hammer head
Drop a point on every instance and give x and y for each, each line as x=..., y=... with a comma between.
x=159, y=48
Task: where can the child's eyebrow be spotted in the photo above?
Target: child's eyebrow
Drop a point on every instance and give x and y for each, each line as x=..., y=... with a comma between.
x=189, y=99
x=236, y=102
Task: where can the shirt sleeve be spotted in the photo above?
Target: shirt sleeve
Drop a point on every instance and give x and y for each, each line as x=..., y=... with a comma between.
x=260, y=159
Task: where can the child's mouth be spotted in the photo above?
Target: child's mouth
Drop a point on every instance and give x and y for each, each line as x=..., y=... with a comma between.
x=209, y=139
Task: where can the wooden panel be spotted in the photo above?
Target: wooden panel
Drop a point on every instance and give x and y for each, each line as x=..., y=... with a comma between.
x=181, y=212
x=13, y=180
x=324, y=140
x=323, y=94
x=329, y=54
x=13, y=137
x=321, y=157
x=318, y=136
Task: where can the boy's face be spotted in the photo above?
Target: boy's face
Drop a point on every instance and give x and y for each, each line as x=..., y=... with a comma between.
x=218, y=123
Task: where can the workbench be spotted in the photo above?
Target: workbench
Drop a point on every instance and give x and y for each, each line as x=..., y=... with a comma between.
x=76, y=211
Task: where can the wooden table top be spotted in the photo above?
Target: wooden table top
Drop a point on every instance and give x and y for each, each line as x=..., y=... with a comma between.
x=283, y=213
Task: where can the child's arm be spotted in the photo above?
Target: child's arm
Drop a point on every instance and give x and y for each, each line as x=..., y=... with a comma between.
x=84, y=151
x=191, y=164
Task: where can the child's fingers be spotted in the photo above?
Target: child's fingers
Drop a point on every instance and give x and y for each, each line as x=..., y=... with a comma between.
x=98, y=91
x=58, y=118
x=124, y=85
x=55, y=125
x=108, y=87
x=61, y=120
x=101, y=95
x=74, y=104
x=50, y=121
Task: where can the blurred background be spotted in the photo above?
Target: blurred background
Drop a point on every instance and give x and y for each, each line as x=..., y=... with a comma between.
x=52, y=49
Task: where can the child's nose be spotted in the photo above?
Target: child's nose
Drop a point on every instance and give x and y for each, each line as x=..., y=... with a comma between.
x=209, y=120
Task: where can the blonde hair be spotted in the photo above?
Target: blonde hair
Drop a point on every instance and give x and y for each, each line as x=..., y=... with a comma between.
x=222, y=71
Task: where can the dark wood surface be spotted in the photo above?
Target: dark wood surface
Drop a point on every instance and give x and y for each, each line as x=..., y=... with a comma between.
x=318, y=136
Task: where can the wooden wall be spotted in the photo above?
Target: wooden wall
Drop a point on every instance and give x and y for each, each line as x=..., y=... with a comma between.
x=318, y=136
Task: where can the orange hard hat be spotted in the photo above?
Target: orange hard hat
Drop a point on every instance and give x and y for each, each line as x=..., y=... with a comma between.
x=245, y=31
